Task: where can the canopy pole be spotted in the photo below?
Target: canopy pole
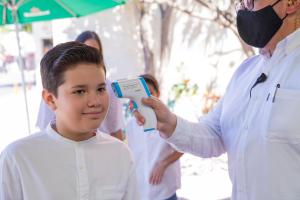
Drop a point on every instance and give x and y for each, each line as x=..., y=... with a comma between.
x=21, y=66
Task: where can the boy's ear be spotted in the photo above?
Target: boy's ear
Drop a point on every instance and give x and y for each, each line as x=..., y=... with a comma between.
x=292, y=6
x=49, y=99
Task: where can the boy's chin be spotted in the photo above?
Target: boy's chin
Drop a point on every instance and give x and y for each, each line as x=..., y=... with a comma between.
x=95, y=125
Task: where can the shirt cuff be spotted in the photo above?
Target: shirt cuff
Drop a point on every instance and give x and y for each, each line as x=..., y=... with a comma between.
x=175, y=138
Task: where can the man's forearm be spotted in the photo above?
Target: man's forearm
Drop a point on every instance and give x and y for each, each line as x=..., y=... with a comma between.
x=171, y=158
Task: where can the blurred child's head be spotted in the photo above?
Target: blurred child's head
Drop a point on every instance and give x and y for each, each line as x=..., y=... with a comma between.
x=90, y=38
x=152, y=84
x=73, y=79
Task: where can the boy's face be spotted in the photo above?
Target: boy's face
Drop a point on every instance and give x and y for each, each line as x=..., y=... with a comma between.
x=81, y=103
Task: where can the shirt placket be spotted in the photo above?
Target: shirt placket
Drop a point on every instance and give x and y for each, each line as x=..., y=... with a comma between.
x=241, y=174
x=241, y=171
x=252, y=108
x=83, y=186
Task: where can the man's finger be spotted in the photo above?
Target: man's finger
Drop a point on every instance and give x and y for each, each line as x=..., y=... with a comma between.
x=152, y=102
x=151, y=181
x=139, y=118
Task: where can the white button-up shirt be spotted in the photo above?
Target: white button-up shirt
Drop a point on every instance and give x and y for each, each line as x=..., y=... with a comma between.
x=47, y=166
x=261, y=134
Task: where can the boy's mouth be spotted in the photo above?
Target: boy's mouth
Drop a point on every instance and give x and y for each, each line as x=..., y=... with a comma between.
x=93, y=114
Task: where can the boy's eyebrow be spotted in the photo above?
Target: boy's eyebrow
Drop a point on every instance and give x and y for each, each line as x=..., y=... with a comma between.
x=102, y=84
x=83, y=86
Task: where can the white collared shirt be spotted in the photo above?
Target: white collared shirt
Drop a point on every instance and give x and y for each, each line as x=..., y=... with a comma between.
x=48, y=166
x=261, y=134
x=148, y=148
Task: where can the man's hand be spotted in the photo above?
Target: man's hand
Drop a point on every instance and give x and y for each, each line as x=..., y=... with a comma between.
x=166, y=120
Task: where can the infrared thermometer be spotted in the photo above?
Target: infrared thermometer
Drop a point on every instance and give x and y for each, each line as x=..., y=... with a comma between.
x=136, y=89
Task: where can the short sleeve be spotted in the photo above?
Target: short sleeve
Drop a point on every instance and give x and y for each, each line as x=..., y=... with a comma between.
x=114, y=120
x=10, y=184
x=132, y=192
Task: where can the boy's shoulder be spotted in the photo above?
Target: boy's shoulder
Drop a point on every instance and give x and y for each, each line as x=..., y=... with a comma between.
x=108, y=139
x=25, y=143
x=112, y=142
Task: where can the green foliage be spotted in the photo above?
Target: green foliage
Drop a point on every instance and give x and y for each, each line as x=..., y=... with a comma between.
x=4, y=29
x=23, y=27
x=27, y=28
x=181, y=89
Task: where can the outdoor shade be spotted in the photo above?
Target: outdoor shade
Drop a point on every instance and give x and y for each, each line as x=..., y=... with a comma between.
x=42, y=10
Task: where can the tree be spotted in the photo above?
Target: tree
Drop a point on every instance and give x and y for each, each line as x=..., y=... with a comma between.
x=160, y=18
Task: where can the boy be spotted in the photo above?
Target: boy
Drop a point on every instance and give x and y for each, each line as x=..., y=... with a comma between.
x=70, y=159
x=157, y=163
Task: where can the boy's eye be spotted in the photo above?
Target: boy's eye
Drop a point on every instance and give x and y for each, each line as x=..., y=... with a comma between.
x=79, y=92
x=102, y=89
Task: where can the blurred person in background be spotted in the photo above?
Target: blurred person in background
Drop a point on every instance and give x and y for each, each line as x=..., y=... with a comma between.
x=157, y=163
x=2, y=59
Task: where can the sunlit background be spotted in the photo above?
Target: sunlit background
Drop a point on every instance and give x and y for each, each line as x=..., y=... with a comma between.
x=191, y=46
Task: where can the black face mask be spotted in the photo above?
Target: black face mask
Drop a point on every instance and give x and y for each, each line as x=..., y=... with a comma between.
x=257, y=28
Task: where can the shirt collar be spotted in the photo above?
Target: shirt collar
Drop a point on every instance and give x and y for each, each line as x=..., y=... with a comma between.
x=285, y=46
x=291, y=42
x=56, y=136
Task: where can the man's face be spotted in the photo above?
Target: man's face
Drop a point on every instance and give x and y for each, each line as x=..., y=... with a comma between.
x=82, y=100
x=256, y=4
x=259, y=4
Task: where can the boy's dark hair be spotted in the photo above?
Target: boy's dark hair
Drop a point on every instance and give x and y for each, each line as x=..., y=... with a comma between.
x=151, y=80
x=63, y=57
x=86, y=35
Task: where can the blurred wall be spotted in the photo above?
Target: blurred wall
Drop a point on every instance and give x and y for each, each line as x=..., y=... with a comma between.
x=118, y=31
x=117, y=28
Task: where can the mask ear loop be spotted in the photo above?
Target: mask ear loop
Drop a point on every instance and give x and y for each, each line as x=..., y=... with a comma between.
x=284, y=17
x=277, y=3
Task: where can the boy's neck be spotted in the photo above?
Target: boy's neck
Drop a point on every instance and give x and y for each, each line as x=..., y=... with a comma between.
x=77, y=137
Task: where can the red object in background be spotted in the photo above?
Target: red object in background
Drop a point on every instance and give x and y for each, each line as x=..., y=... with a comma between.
x=9, y=59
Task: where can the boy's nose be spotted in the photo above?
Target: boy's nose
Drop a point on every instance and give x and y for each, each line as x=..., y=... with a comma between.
x=94, y=100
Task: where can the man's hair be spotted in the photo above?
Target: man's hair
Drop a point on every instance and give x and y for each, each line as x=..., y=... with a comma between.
x=151, y=80
x=64, y=57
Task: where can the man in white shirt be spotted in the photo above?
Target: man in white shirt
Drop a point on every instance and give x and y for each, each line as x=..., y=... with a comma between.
x=257, y=120
x=70, y=159
x=157, y=163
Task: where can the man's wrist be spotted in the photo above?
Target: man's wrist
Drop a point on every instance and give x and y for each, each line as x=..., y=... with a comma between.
x=167, y=130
